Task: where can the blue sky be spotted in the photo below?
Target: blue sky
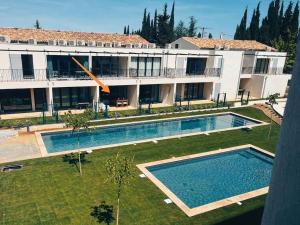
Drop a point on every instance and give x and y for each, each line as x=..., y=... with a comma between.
x=112, y=15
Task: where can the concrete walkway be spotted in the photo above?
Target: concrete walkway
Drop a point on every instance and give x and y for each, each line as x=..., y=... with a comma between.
x=18, y=148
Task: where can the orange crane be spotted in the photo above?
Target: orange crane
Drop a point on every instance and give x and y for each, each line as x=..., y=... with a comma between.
x=103, y=86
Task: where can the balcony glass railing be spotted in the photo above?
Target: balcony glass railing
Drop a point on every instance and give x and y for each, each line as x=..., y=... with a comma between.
x=44, y=74
x=270, y=71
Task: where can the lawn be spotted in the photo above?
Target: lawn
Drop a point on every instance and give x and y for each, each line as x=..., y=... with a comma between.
x=50, y=191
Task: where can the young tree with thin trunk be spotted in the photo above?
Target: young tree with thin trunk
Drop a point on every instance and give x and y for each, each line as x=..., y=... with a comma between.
x=272, y=100
x=119, y=171
x=79, y=122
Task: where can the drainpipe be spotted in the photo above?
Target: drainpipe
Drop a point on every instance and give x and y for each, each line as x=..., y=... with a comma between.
x=239, y=81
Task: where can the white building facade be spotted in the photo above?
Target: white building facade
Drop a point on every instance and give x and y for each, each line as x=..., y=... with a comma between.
x=37, y=72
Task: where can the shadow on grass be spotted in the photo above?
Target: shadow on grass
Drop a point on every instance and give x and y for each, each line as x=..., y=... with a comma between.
x=103, y=213
x=250, y=218
x=73, y=159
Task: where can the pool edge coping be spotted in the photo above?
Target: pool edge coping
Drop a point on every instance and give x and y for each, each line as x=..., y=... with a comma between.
x=45, y=153
x=210, y=206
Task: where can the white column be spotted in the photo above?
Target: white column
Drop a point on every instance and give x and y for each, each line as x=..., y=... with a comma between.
x=49, y=96
x=32, y=99
x=283, y=202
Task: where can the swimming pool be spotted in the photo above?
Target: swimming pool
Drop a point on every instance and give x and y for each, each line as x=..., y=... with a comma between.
x=142, y=131
x=203, y=182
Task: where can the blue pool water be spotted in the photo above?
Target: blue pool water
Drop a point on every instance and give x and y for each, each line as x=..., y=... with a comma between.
x=62, y=141
x=203, y=180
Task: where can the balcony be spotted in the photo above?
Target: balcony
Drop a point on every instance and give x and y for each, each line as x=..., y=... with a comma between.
x=11, y=75
x=254, y=71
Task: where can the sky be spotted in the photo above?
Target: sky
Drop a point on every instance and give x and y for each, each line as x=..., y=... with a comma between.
x=110, y=16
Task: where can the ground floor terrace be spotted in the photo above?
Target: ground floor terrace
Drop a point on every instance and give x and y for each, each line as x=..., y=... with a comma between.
x=43, y=191
x=16, y=103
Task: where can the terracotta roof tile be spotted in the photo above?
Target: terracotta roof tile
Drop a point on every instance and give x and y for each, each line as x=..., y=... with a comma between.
x=232, y=44
x=22, y=34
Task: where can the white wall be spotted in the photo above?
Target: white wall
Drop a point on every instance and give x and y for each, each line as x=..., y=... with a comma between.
x=275, y=84
x=231, y=73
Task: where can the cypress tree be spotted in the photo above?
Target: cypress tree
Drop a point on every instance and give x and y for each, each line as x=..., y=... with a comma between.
x=286, y=23
x=144, y=24
x=37, y=25
x=148, y=27
x=210, y=36
x=199, y=35
x=295, y=20
x=241, y=30
x=254, y=25
x=154, y=29
x=128, y=32
x=163, y=36
x=192, y=31
x=172, y=22
x=125, y=30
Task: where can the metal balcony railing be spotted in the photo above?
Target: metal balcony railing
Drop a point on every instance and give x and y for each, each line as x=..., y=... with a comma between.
x=45, y=74
x=173, y=73
x=271, y=71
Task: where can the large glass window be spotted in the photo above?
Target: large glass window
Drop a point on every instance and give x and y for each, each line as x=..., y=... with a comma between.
x=18, y=100
x=149, y=93
x=27, y=65
x=196, y=66
x=116, y=93
x=193, y=91
x=145, y=66
x=64, y=98
x=262, y=66
x=107, y=66
x=40, y=99
x=64, y=66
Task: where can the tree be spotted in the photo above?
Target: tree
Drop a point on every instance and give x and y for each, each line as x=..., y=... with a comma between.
x=172, y=22
x=210, y=36
x=163, y=36
x=119, y=171
x=154, y=29
x=295, y=20
x=37, y=25
x=241, y=30
x=128, y=32
x=272, y=100
x=192, y=31
x=144, y=24
x=181, y=30
x=254, y=25
x=79, y=122
x=125, y=30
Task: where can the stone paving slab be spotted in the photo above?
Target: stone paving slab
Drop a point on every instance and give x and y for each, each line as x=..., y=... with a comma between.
x=18, y=148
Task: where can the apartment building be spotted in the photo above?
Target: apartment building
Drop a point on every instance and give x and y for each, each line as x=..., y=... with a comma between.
x=38, y=74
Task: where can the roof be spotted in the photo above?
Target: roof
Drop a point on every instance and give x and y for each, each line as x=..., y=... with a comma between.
x=41, y=35
x=232, y=44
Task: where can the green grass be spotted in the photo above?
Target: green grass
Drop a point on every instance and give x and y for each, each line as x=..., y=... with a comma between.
x=49, y=191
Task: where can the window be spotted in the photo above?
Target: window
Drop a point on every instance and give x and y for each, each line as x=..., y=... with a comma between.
x=145, y=66
x=116, y=93
x=27, y=65
x=107, y=66
x=62, y=66
x=262, y=66
x=64, y=98
x=40, y=99
x=193, y=91
x=149, y=93
x=196, y=66
x=18, y=100
x=176, y=46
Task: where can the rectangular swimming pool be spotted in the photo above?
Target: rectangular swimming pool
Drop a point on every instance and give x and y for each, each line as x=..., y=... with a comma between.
x=142, y=131
x=203, y=182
